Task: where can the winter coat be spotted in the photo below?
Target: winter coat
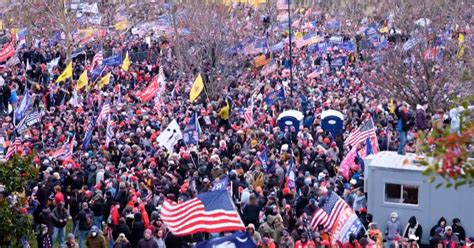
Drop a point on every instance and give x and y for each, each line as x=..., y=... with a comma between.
x=147, y=243
x=46, y=217
x=413, y=227
x=393, y=229
x=421, y=120
x=433, y=229
x=58, y=215
x=96, y=242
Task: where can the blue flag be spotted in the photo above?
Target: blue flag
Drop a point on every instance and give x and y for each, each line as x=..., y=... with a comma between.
x=238, y=240
x=274, y=96
x=221, y=184
x=23, y=107
x=192, y=131
x=369, y=147
x=114, y=60
x=263, y=157
x=88, y=135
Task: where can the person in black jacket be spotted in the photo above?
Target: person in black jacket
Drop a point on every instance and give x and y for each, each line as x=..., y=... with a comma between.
x=98, y=209
x=413, y=229
x=251, y=212
x=458, y=230
x=60, y=217
x=84, y=219
x=404, y=123
x=138, y=228
x=122, y=227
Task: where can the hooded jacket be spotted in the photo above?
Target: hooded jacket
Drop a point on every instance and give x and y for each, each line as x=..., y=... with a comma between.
x=393, y=229
x=413, y=227
x=433, y=229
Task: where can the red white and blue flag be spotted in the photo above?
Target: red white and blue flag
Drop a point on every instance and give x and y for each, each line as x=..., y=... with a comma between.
x=104, y=111
x=210, y=212
x=65, y=152
x=97, y=60
x=336, y=217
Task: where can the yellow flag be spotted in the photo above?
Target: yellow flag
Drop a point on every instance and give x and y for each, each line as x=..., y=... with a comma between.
x=104, y=80
x=126, y=63
x=67, y=73
x=391, y=106
x=196, y=89
x=257, y=2
x=461, y=38
x=82, y=81
x=121, y=25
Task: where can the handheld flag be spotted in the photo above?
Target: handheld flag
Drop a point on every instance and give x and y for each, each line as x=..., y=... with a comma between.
x=126, y=62
x=23, y=107
x=170, y=136
x=104, y=80
x=192, y=131
x=369, y=149
x=337, y=217
x=196, y=89
x=237, y=240
x=273, y=96
x=67, y=73
x=65, y=152
x=220, y=184
x=88, y=134
x=82, y=81
x=211, y=212
x=392, y=106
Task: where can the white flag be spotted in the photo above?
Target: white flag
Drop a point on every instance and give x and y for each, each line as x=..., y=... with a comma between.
x=170, y=136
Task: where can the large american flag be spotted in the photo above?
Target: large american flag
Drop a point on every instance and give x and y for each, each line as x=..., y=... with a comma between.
x=210, y=212
x=360, y=134
x=97, y=60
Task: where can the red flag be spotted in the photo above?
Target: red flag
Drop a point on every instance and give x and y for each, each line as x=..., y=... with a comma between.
x=150, y=91
x=7, y=52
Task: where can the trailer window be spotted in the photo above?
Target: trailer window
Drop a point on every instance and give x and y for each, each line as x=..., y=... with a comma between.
x=401, y=193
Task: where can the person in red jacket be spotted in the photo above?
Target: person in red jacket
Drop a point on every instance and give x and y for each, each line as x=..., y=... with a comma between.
x=58, y=195
x=352, y=243
x=115, y=214
x=304, y=242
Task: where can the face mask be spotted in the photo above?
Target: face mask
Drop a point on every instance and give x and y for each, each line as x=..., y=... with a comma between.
x=394, y=219
x=94, y=234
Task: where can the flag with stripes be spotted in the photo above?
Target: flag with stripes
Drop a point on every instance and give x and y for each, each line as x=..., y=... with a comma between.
x=104, y=111
x=88, y=134
x=360, y=134
x=248, y=114
x=66, y=150
x=29, y=120
x=335, y=216
x=109, y=133
x=23, y=107
x=210, y=212
x=97, y=60
x=14, y=148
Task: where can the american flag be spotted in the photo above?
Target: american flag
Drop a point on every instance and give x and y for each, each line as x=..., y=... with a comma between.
x=248, y=116
x=210, y=212
x=336, y=217
x=361, y=134
x=97, y=60
x=65, y=152
x=329, y=212
x=14, y=148
x=104, y=111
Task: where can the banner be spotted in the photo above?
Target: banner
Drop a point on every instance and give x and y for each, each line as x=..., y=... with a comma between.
x=237, y=240
x=7, y=52
x=221, y=184
x=150, y=91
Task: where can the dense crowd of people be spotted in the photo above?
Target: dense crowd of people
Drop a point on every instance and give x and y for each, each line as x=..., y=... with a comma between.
x=111, y=192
